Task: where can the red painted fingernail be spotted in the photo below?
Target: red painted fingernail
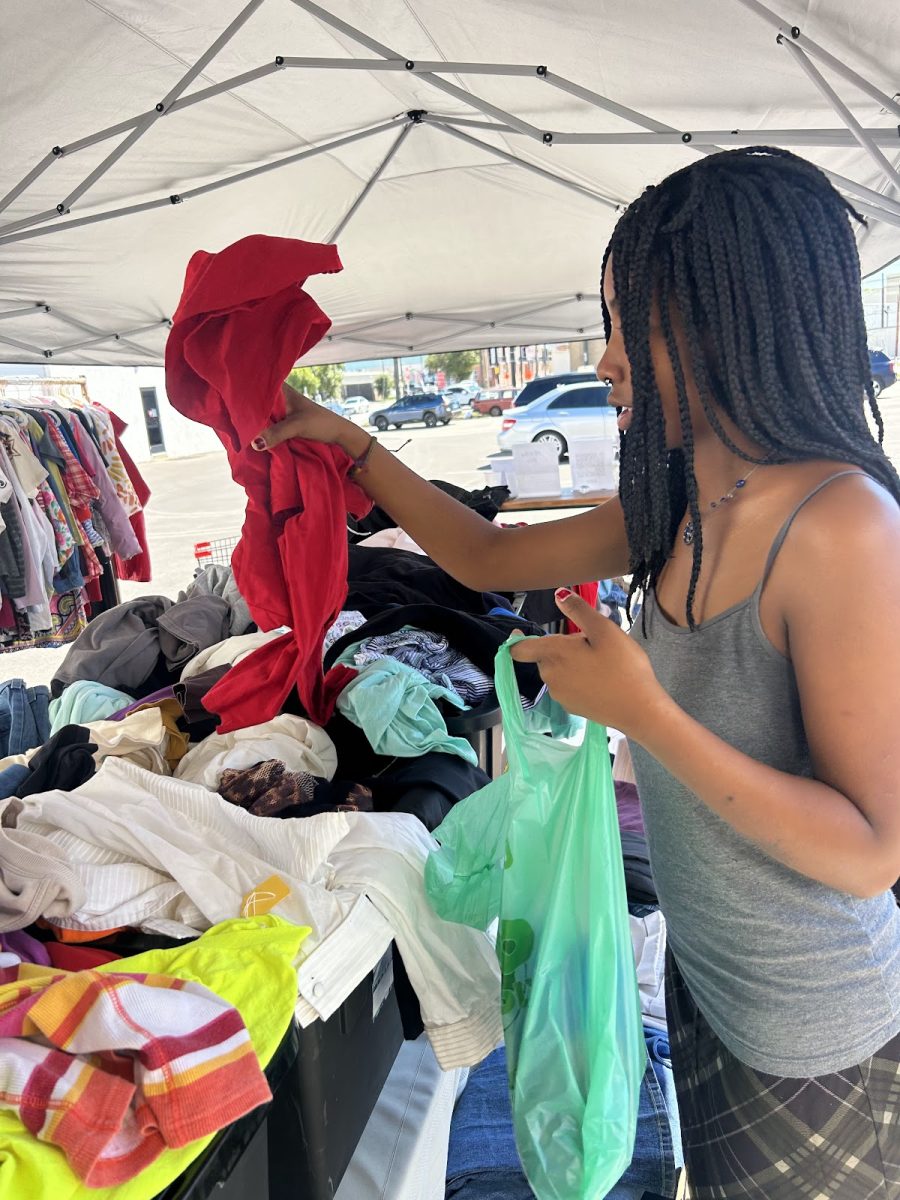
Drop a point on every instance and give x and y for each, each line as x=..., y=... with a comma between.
x=563, y=593
x=258, y=443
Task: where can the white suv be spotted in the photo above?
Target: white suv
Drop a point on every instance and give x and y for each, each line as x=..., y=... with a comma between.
x=560, y=416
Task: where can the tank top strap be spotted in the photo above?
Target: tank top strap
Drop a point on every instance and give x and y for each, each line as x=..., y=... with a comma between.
x=785, y=529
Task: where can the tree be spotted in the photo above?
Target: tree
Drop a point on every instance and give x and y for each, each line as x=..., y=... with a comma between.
x=318, y=381
x=383, y=385
x=456, y=364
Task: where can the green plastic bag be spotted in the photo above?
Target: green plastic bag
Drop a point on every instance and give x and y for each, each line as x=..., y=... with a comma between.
x=540, y=849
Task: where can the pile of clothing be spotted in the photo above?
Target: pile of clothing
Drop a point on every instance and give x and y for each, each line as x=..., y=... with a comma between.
x=71, y=513
x=122, y=804
x=123, y=797
x=116, y=1076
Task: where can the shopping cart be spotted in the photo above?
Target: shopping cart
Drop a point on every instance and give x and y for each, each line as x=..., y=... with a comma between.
x=215, y=550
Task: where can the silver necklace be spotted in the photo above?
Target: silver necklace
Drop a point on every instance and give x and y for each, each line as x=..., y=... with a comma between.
x=687, y=534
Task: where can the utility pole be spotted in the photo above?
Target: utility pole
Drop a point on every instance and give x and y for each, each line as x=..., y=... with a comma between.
x=397, y=378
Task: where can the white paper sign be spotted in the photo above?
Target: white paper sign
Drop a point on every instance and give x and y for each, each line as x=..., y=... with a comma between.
x=536, y=470
x=593, y=463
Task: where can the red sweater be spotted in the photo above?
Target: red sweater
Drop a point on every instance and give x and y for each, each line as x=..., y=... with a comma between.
x=242, y=323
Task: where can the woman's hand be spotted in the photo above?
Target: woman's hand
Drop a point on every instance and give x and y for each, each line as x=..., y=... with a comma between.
x=601, y=673
x=315, y=423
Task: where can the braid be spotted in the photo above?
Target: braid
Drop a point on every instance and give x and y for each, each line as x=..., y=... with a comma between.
x=687, y=437
x=643, y=456
x=754, y=250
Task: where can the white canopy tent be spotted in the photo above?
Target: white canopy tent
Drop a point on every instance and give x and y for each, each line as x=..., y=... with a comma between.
x=469, y=157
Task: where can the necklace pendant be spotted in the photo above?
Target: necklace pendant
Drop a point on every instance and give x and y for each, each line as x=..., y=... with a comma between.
x=687, y=535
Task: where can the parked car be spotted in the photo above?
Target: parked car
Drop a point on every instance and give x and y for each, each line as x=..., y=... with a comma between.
x=883, y=371
x=580, y=410
x=465, y=392
x=355, y=406
x=430, y=410
x=494, y=401
x=539, y=387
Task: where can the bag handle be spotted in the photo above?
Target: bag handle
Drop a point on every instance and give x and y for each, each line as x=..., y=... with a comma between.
x=507, y=688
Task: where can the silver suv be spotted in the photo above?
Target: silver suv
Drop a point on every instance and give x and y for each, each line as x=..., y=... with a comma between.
x=431, y=410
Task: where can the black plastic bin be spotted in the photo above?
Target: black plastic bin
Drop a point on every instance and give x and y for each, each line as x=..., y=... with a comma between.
x=326, y=1080
x=336, y=1079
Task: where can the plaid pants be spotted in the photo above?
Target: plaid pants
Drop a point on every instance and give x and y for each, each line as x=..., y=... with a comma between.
x=746, y=1134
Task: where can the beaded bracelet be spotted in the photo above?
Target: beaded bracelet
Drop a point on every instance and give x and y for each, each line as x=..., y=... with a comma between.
x=360, y=464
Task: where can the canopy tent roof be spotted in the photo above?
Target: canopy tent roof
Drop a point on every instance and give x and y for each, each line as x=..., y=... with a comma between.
x=469, y=156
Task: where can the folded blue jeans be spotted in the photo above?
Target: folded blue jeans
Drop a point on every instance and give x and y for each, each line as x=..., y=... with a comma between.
x=483, y=1163
x=24, y=717
x=660, y=1056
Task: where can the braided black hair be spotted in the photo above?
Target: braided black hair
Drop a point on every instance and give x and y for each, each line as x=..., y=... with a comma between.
x=755, y=250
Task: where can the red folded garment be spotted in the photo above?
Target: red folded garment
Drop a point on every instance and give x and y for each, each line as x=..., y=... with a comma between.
x=78, y=958
x=242, y=323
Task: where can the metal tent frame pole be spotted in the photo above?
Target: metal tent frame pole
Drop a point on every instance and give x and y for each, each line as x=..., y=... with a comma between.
x=570, y=329
x=870, y=203
x=816, y=138
x=860, y=135
x=407, y=65
x=138, y=132
x=874, y=201
x=29, y=311
x=94, y=139
x=401, y=346
x=441, y=318
x=500, y=322
x=149, y=118
x=509, y=320
x=179, y=197
x=84, y=327
x=373, y=179
x=97, y=336
x=814, y=50
x=581, y=189
x=108, y=337
x=36, y=350
x=349, y=334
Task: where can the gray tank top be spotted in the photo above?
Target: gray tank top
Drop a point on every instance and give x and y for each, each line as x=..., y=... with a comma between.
x=795, y=978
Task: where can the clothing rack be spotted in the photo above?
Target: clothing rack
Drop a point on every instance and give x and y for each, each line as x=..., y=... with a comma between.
x=95, y=590
x=27, y=387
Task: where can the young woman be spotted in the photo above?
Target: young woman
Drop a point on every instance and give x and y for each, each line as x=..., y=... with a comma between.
x=760, y=686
